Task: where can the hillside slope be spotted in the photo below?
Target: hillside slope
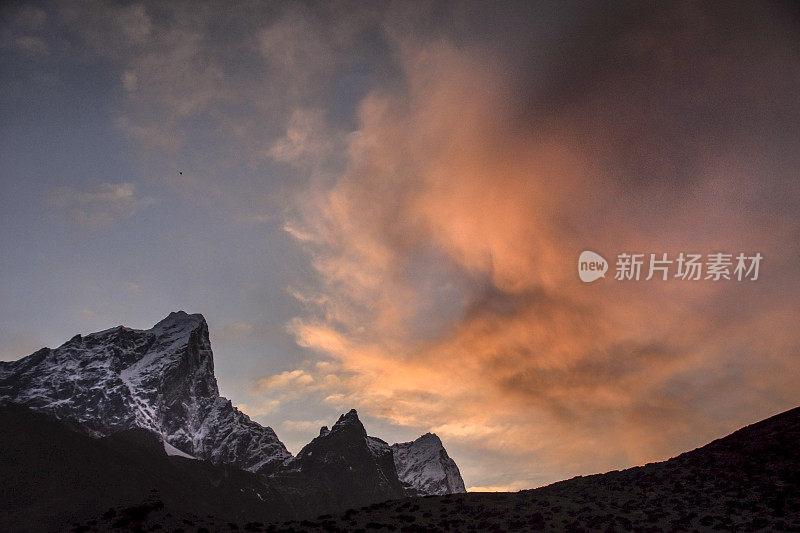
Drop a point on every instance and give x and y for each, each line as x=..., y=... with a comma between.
x=53, y=476
x=747, y=481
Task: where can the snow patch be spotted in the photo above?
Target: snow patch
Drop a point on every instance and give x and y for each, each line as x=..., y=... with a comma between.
x=175, y=452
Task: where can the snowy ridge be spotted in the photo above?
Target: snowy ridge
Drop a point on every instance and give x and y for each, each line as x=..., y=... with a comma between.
x=161, y=379
x=378, y=447
x=424, y=465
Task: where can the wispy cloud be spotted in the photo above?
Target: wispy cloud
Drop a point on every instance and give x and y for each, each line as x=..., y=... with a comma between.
x=288, y=379
x=23, y=31
x=306, y=138
x=260, y=407
x=31, y=45
x=98, y=207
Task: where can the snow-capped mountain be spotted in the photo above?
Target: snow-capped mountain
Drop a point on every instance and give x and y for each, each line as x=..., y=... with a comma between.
x=161, y=379
x=424, y=465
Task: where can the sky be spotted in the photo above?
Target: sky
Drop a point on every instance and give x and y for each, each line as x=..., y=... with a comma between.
x=381, y=205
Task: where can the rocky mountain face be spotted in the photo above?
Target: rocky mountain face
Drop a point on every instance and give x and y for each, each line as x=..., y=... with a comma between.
x=346, y=456
x=162, y=380
x=424, y=465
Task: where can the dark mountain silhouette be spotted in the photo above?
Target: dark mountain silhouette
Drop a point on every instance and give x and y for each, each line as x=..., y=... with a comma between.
x=747, y=481
x=53, y=476
x=346, y=456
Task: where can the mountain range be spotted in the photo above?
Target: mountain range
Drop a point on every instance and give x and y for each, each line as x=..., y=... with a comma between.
x=158, y=386
x=125, y=430
x=746, y=481
x=57, y=479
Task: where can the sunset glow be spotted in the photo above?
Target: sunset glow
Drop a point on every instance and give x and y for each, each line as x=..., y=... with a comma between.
x=381, y=206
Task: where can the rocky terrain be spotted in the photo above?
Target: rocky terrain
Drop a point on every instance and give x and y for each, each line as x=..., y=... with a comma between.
x=747, y=481
x=53, y=477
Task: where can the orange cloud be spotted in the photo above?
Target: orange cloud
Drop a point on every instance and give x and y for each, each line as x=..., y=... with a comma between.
x=447, y=297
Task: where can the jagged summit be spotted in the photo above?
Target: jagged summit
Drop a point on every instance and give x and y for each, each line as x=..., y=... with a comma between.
x=352, y=414
x=160, y=379
x=346, y=456
x=347, y=421
x=180, y=320
x=422, y=466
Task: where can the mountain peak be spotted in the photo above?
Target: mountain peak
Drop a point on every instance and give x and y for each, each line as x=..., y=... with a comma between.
x=349, y=422
x=431, y=438
x=424, y=465
x=180, y=320
x=351, y=415
x=346, y=457
x=160, y=379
